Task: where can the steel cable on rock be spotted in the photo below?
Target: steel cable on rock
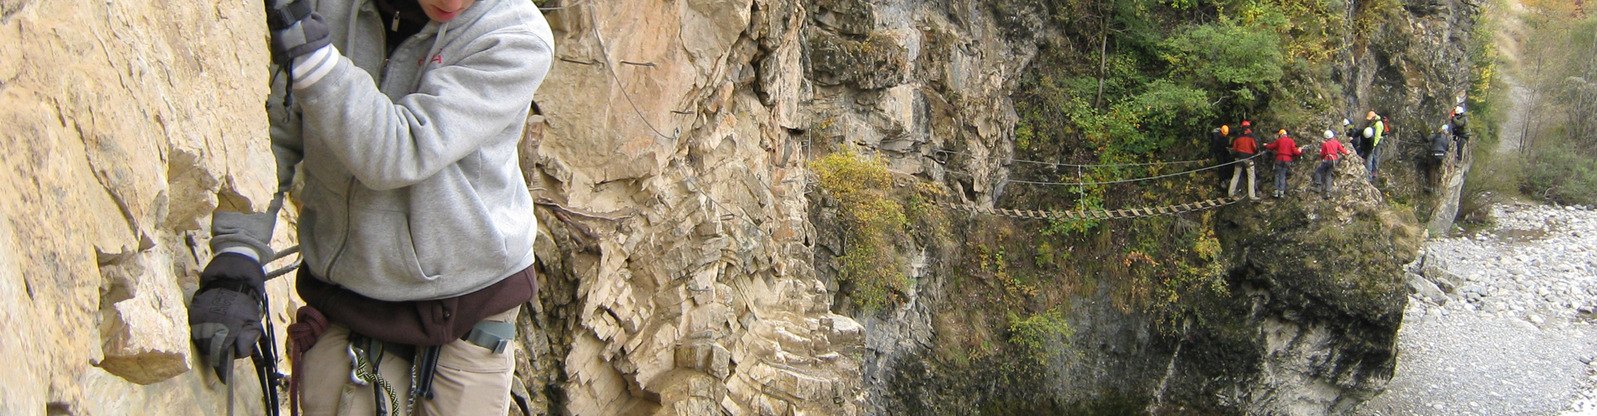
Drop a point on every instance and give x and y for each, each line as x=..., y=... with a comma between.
x=550, y=9
x=604, y=50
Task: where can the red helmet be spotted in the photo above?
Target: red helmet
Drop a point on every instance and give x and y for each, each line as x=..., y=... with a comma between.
x=1245, y=123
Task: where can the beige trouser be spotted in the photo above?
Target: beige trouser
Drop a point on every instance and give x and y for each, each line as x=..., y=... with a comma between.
x=1236, y=176
x=471, y=380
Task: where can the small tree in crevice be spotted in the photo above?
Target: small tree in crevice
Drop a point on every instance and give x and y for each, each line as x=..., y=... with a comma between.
x=874, y=224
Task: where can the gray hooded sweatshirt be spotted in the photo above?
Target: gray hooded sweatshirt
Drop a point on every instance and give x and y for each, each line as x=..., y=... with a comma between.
x=412, y=184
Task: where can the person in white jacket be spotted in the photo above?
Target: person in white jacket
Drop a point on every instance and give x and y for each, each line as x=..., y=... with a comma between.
x=416, y=227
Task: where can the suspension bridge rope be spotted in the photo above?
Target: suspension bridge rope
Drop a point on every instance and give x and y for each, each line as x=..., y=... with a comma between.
x=1035, y=162
x=1110, y=214
x=1107, y=214
x=1149, y=178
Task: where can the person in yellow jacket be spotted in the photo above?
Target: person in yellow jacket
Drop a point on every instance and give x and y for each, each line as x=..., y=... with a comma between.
x=1374, y=133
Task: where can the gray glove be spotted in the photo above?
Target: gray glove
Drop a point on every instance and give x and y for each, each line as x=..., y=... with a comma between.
x=297, y=30
x=226, y=313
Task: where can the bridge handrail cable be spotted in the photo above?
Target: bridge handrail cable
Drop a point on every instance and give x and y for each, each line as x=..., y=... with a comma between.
x=1149, y=178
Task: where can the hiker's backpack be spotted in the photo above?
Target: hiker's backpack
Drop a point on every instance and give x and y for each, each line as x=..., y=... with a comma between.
x=1439, y=143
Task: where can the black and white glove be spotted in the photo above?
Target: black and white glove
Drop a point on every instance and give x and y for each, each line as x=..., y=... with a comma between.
x=297, y=30
x=226, y=313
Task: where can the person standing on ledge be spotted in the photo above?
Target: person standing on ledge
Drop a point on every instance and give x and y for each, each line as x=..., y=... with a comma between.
x=1286, y=152
x=1355, y=140
x=1242, y=149
x=1219, y=144
x=1460, y=128
x=1376, y=130
x=1330, y=151
x=416, y=226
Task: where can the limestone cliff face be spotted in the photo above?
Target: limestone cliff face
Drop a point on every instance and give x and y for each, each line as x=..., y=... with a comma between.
x=1413, y=66
x=669, y=164
x=125, y=125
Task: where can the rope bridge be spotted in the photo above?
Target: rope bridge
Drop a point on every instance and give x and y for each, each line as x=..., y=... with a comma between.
x=1107, y=214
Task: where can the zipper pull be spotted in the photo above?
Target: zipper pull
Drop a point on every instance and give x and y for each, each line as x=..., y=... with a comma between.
x=394, y=27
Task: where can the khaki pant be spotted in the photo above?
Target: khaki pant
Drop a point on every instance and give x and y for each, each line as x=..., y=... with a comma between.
x=471, y=380
x=1236, y=176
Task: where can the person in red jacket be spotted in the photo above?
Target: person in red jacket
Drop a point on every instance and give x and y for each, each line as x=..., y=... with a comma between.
x=1286, y=151
x=1242, y=149
x=1330, y=151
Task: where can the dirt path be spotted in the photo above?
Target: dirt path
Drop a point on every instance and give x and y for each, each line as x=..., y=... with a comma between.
x=1510, y=38
x=1513, y=133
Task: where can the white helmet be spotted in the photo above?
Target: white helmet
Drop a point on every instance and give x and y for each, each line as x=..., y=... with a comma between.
x=1369, y=132
x=1346, y=123
x=1330, y=134
x=1458, y=110
x=1446, y=127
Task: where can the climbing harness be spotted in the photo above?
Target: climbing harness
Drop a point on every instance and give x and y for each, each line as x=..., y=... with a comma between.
x=366, y=355
x=492, y=335
x=422, y=370
x=363, y=370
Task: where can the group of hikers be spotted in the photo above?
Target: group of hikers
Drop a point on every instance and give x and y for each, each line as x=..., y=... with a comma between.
x=1365, y=141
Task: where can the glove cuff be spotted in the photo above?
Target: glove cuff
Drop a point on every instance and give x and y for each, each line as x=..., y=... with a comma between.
x=300, y=38
x=236, y=272
x=233, y=285
x=283, y=17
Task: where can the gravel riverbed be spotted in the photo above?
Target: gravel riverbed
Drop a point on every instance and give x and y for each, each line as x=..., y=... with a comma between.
x=1503, y=321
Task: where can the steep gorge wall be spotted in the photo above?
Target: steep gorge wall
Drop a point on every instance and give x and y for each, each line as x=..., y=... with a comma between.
x=668, y=162
x=1318, y=283
x=684, y=256
x=1316, y=297
x=1412, y=65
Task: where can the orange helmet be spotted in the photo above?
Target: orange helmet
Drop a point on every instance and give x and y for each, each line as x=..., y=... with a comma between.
x=1225, y=130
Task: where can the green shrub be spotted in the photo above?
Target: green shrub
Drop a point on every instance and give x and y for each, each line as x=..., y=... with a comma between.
x=1036, y=332
x=1562, y=175
x=874, y=224
x=1168, y=267
x=1242, y=61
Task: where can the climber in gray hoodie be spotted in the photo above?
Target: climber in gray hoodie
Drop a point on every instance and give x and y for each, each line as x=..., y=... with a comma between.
x=416, y=226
